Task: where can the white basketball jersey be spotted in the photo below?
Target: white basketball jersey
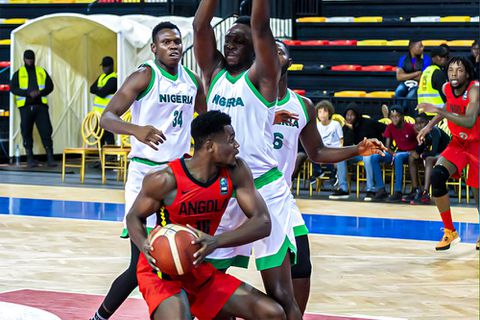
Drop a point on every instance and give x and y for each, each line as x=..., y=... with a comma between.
x=252, y=118
x=168, y=105
x=285, y=134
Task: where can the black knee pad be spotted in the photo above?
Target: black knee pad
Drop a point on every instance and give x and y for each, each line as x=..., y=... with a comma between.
x=439, y=179
x=303, y=268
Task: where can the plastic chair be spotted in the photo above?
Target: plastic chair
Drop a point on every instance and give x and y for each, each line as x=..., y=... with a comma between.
x=368, y=19
x=350, y=94
x=372, y=43
x=339, y=118
x=385, y=121
x=311, y=19
x=409, y=119
x=90, y=151
x=378, y=68
x=296, y=67
x=397, y=43
x=380, y=94
x=460, y=43
x=433, y=43
x=346, y=67
x=120, y=152
x=455, y=19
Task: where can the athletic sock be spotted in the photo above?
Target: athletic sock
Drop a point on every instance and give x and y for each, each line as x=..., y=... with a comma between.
x=97, y=316
x=447, y=220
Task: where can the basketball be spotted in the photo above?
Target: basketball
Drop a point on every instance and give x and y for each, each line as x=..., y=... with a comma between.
x=173, y=248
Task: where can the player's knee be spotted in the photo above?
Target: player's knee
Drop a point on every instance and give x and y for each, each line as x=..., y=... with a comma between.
x=269, y=309
x=439, y=179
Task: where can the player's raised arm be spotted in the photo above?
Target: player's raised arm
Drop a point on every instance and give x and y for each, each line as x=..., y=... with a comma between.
x=265, y=71
x=252, y=204
x=209, y=59
x=318, y=152
x=156, y=186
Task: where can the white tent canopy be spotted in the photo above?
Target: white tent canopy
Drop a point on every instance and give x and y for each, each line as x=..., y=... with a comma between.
x=70, y=47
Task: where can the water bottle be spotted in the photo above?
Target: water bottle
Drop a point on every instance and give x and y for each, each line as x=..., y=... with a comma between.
x=17, y=155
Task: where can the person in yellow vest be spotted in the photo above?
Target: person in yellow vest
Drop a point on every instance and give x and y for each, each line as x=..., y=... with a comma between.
x=433, y=78
x=31, y=85
x=104, y=88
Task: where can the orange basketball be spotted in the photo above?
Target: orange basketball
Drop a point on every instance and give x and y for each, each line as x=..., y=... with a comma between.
x=173, y=248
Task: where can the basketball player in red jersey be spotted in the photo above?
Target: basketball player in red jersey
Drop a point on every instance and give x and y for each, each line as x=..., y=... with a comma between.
x=461, y=111
x=206, y=181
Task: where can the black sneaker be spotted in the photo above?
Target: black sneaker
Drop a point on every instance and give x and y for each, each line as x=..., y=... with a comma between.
x=339, y=194
x=369, y=196
x=417, y=198
x=380, y=195
x=395, y=197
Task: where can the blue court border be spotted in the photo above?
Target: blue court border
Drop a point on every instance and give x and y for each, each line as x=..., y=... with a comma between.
x=316, y=223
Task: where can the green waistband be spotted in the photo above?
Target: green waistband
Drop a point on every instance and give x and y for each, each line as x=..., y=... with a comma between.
x=147, y=162
x=268, y=177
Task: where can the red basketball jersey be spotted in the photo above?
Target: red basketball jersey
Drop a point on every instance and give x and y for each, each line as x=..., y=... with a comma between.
x=459, y=105
x=198, y=204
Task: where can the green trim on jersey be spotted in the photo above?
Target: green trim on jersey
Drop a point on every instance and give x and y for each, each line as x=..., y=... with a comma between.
x=215, y=79
x=285, y=99
x=147, y=162
x=150, y=84
x=300, y=230
x=266, y=178
x=237, y=261
x=258, y=94
x=165, y=73
x=233, y=79
x=276, y=260
x=192, y=76
x=304, y=107
x=125, y=235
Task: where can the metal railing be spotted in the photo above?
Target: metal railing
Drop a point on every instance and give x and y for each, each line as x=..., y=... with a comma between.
x=281, y=28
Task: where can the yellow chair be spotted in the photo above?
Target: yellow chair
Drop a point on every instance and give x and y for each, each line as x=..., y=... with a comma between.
x=380, y=94
x=460, y=43
x=361, y=175
x=455, y=19
x=120, y=152
x=368, y=19
x=433, y=43
x=372, y=43
x=385, y=121
x=397, y=43
x=90, y=151
x=5, y=42
x=296, y=67
x=304, y=174
x=350, y=94
x=339, y=118
x=409, y=119
x=14, y=21
x=312, y=19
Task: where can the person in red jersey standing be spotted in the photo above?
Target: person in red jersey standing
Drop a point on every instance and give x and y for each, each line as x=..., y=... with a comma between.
x=461, y=112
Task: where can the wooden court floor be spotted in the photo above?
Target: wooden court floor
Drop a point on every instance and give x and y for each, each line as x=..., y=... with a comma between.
x=363, y=276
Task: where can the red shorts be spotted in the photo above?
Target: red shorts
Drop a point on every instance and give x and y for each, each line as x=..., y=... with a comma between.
x=207, y=288
x=462, y=153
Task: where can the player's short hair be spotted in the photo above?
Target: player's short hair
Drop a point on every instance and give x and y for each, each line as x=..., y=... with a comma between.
x=164, y=25
x=326, y=105
x=244, y=20
x=208, y=124
x=466, y=63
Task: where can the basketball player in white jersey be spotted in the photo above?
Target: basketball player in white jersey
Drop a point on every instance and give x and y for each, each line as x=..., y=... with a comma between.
x=295, y=118
x=163, y=96
x=243, y=83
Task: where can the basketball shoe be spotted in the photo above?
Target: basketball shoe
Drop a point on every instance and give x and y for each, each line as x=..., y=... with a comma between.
x=449, y=239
